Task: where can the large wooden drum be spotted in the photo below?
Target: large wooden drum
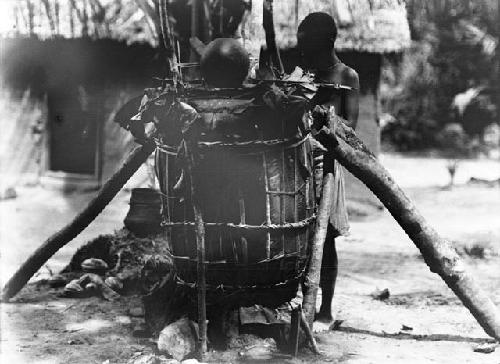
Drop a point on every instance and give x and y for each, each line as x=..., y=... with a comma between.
x=255, y=187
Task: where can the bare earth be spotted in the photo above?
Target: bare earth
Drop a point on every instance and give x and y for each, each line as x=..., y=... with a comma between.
x=421, y=321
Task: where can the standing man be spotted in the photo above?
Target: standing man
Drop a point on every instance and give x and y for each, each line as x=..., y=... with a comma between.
x=316, y=41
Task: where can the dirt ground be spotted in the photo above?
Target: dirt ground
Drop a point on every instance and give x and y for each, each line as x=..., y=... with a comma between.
x=420, y=322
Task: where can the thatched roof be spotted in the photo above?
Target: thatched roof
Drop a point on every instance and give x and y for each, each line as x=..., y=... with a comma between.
x=97, y=19
x=374, y=26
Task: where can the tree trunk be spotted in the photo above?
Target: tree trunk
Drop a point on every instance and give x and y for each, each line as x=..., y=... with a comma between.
x=80, y=222
x=313, y=273
x=437, y=252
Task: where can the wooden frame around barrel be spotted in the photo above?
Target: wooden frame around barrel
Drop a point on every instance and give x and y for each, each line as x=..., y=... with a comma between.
x=258, y=204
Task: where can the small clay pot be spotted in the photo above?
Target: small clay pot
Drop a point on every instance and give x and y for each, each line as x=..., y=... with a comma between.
x=144, y=215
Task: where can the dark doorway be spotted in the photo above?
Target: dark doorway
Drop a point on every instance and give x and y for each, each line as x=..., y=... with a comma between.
x=74, y=132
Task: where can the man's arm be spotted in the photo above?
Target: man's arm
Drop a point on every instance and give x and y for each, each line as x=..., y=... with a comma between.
x=351, y=79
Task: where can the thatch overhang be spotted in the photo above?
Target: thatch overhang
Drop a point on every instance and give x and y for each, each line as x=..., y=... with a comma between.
x=122, y=20
x=373, y=26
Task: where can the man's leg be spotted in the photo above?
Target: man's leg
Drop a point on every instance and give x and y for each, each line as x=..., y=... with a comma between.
x=329, y=268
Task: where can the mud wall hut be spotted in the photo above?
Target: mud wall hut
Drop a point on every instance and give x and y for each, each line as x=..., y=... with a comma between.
x=65, y=70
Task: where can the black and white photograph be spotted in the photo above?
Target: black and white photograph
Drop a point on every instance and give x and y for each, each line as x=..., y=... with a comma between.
x=250, y=181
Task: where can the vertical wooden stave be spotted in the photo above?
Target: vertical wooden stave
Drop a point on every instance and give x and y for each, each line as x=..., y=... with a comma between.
x=268, y=205
x=282, y=188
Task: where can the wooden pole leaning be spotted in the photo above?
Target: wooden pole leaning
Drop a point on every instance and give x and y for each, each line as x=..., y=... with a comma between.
x=437, y=252
x=80, y=222
x=268, y=25
x=313, y=272
x=308, y=331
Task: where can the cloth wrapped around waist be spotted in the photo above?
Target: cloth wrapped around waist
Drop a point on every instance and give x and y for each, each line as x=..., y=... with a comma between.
x=338, y=213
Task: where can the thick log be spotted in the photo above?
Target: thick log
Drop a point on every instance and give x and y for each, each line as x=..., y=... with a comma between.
x=437, y=252
x=80, y=222
x=311, y=279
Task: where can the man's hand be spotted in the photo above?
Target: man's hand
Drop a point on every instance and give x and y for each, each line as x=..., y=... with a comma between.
x=321, y=128
x=320, y=116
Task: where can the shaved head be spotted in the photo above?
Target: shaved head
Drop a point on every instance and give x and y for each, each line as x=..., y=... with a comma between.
x=317, y=31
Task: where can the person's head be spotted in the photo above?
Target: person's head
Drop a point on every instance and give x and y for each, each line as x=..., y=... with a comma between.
x=224, y=63
x=316, y=37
